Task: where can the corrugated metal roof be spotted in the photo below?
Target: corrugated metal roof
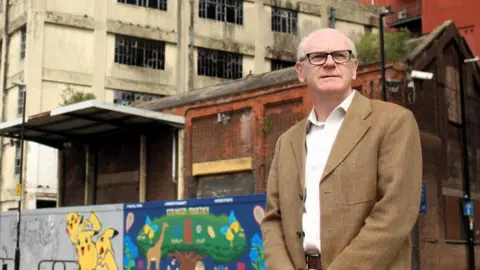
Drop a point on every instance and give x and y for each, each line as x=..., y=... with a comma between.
x=249, y=83
x=86, y=121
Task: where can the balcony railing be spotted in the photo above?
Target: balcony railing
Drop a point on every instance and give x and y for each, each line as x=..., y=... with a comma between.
x=404, y=12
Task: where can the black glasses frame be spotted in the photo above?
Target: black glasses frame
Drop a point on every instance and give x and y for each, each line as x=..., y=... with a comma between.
x=350, y=56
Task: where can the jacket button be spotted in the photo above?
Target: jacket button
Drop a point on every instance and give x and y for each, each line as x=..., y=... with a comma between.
x=301, y=196
x=300, y=234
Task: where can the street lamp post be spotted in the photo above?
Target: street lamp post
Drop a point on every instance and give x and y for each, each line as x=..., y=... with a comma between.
x=20, y=186
x=387, y=11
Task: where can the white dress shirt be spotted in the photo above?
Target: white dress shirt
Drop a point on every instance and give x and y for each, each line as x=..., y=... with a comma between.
x=319, y=141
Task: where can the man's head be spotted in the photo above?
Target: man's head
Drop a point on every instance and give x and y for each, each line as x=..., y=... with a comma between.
x=327, y=73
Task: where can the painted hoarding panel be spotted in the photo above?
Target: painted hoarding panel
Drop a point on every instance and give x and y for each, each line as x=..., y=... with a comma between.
x=217, y=233
x=89, y=236
x=8, y=230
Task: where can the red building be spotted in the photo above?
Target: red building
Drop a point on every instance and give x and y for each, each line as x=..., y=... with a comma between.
x=423, y=16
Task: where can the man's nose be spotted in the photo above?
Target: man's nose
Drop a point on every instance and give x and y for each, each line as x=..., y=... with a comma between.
x=329, y=61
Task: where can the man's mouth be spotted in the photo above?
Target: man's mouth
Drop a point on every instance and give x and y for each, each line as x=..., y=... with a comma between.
x=329, y=76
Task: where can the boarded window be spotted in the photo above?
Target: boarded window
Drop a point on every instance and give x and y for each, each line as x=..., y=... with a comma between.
x=140, y=52
x=219, y=185
x=222, y=10
x=284, y=20
x=219, y=64
x=454, y=222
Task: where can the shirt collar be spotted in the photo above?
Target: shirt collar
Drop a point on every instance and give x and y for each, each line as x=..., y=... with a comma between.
x=343, y=106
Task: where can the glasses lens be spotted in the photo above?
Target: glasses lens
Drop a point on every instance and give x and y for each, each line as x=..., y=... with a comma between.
x=319, y=58
x=341, y=56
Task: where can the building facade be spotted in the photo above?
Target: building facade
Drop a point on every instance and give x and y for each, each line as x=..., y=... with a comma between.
x=128, y=50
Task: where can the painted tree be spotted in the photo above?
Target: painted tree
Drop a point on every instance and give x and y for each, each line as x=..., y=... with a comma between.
x=193, y=237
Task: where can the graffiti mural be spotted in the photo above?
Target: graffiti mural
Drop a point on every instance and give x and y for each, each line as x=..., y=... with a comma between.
x=93, y=246
x=219, y=234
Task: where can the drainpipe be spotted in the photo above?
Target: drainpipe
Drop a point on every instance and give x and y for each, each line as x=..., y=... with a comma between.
x=190, y=47
x=6, y=42
x=466, y=170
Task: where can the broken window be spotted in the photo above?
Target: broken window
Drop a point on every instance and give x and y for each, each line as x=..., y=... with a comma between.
x=157, y=4
x=140, y=52
x=20, y=98
x=222, y=10
x=128, y=97
x=23, y=42
x=219, y=64
x=284, y=20
x=279, y=64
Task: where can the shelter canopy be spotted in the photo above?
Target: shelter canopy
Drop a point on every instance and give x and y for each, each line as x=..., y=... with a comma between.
x=85, y=121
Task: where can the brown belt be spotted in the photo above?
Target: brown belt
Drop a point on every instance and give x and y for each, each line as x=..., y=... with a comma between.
x=313, y=261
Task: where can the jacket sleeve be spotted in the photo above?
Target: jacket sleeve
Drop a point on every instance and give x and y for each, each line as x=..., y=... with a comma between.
x=275, y=250
x=393, y=216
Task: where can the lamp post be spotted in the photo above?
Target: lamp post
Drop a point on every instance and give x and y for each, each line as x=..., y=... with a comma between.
x=19, y=185
x=387, y=11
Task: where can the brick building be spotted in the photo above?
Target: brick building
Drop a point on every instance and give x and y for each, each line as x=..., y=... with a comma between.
x=231, y=130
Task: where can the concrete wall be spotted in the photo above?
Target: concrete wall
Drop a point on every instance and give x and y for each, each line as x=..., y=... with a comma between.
x=48, y=234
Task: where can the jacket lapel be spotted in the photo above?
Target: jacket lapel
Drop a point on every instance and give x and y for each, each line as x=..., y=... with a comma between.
x=354, y=127
x=299, y=150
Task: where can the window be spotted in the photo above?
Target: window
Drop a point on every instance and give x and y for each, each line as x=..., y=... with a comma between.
x=127, y=97
x=222, y=10
x=20, y=98
x=23, y=42
x=219, y=64
x=279, y=64
x=157, y=4
x=17, y=157
x=140, y=52
x=284, y=20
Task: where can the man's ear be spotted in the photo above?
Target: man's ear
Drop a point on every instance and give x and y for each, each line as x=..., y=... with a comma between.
x=299, y=69
x=354, y=68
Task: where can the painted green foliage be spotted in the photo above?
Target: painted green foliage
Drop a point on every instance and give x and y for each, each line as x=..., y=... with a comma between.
x=219, y=237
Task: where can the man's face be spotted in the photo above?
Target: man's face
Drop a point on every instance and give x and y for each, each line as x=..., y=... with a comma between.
x=325, y=73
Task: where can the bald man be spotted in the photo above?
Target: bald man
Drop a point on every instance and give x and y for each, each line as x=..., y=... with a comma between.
x=344, y=187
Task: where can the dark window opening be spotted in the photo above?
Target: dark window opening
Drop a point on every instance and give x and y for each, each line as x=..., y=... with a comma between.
x=284, y=20
x=156, y=4
x=140, y=52
x=46, y=204
x=222, y=10
x=219, y=64
x=279, y=64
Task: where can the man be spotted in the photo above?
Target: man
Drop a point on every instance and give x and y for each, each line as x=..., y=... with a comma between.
x=344, y=185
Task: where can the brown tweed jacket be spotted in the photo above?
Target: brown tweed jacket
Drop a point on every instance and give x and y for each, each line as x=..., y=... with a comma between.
x=369, y=192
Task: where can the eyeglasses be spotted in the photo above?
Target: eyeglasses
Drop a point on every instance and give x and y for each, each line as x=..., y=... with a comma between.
x=319, y=58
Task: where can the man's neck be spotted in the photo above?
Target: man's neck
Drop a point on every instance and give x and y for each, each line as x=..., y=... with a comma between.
x=325, y=104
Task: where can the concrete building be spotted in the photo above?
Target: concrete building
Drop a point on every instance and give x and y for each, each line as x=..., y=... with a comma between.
x=126, y=50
